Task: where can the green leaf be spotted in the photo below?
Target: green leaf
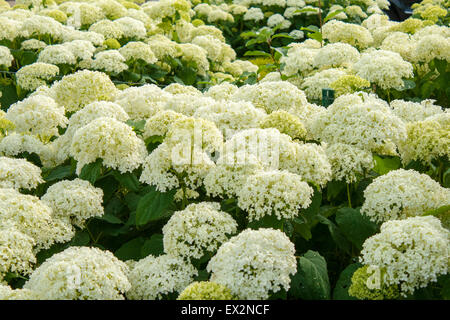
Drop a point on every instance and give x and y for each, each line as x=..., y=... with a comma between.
x=266, y=222
x=131, y=250
x=308, y=217
x=153, y=246
x=257, y=53
x=153, y=206
x=91, y=171
x=132, y=200
x=187, y=75
x=127, y=179
x=385, y=164
x=446, y=179
x=316, y=36
x=311, y=280
x=305, y=10
x=81, y=238
x=334, y=188
x=331, y=15
x=303, y=230
x=203, y=275
x=8, y=96
x=341, y=241
x=59, y=173
x=340, y=291
x=355, y=226
x=136, y=125
x=282, y=35
x=408, y=84
x=445, y=291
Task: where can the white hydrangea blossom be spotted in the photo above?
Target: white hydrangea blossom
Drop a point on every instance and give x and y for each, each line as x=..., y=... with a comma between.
x=16, y=252
x=142, y=102
x=403, y=193
x=299, y=59
x=153, y=277
x=426, y=140
x=222, y=91
x=81, y=49
x=138, y=50
x=19, y=174
x=110, y=140
x=109, y=61
x=196, y=230
x=432, y=46
x=276, y=19
x=74, y=201
x=131, y=28
x=33, y=218
x=353, y=34
x=32, y=76
x=107, y=28
x=411, y=252
x=231, y=117
x=32, y=44
x=37, y=115
x=384, y=68
x=6, y=57
x=254, y=263
x=278, y=193
x=410, y=111
x=348, y=163
x=76, y=90
x=14, y=144
x=367, y=126
x=160, y=123
x=80, y=273
x=314, y=84
x=253, y=14
x=336, y=55
x=57, y=54
x=272, y=96
x=230, y=173
x=183, y=155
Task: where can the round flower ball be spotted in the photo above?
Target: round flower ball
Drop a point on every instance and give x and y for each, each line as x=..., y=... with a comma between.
x=196, y=230
x=80, y=273
x=205, y=290
x=154, y=278
x=255, y=263
x=412, y=253
x=280, y=193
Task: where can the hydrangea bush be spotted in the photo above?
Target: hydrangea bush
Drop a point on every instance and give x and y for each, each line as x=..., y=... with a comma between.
x=145, y=153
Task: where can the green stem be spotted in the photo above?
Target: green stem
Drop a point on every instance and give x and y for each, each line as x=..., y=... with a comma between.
x=348, y=196
x=441, y=172
x=184, y=201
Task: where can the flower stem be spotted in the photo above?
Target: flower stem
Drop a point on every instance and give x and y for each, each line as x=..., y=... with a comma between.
x=348, y=196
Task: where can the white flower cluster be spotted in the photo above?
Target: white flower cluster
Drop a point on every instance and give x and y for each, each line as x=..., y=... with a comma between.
x=278, y=193
x=80, y=273
x=74, y=201
x=348, y=163
x=19, y=174
x=196, y=230
x=37, y=115
x=110, y=140
x=153, y=278
x=366, y=125
x=33, y=218
x=403, y=193
x=32, y=76
x=255, y=263
x=411, y=253
x=16, y=252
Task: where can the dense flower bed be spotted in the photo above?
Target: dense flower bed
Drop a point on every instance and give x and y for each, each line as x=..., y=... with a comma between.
x=145, y=153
